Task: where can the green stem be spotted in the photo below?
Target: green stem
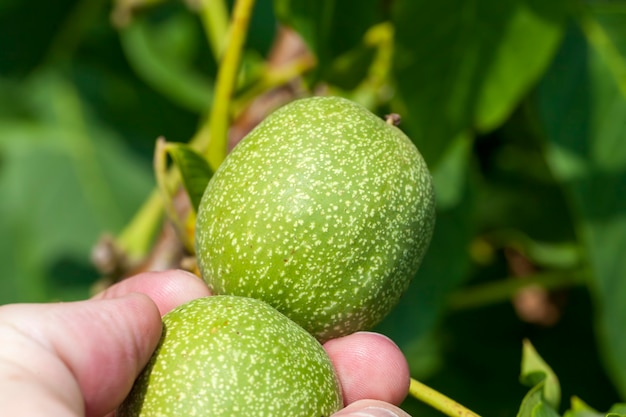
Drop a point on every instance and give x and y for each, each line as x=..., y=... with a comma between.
x=438, y=401
x=273, y=78
x=503, y=290
x=225, y=83
x=168, y=181
x=214, y=15
x=200, y=140
x=136, y=238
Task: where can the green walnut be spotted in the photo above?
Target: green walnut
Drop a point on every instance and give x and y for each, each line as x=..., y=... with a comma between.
x=234, y=356
x=324, y=211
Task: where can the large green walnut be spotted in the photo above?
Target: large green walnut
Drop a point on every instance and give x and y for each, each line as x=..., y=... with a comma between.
x=234, y=356
x=324, y=211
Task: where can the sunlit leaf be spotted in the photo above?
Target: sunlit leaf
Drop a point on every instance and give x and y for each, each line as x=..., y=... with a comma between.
x=466, y=65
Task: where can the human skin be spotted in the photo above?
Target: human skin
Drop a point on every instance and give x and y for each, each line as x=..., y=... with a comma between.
x=81, y=358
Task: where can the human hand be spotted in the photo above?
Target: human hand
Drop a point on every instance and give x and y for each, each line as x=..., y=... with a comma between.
x=81, y=358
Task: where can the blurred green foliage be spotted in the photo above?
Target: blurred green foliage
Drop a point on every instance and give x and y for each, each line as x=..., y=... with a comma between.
x=519, y=107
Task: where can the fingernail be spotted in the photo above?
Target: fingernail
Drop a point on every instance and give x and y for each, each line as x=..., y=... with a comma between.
x=372, y=412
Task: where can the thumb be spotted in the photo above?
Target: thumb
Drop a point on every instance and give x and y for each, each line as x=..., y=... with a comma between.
x=78, y=358
x=371, y=408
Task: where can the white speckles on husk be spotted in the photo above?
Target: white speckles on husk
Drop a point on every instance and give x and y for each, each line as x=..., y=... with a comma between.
x=324, y=211
x=226, y=356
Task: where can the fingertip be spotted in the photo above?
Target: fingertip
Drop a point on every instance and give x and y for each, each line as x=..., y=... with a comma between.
x=369, y=366
x=168, y=289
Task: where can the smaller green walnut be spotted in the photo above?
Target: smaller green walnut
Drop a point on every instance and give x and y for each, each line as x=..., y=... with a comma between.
x=234, y=356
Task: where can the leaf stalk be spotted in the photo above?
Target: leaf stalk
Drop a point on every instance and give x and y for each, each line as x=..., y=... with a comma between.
x=225, y=83
x=438, y=401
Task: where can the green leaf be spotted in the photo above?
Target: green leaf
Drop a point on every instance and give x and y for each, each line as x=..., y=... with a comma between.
x=334, y=32
x=348, y=69
x=582, y=113
x=533, y=398
x=466, y=65
x=545, y=394
x=605, y=31
x=544, y=410
x=166, y=66
x=65, y=179
x=194, y=169
x=618, y=410
x=535, y=371
x=449, y=174
x=195, y=173
x=580, y=409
